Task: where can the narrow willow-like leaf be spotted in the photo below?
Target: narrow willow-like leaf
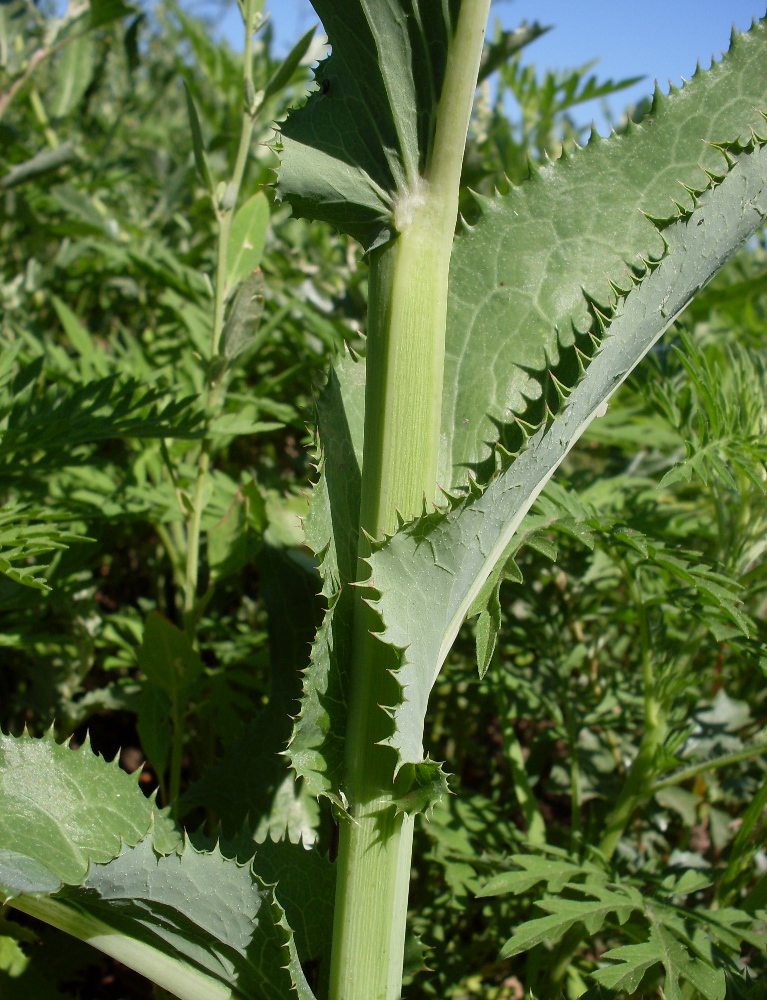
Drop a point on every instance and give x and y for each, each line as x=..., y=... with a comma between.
x=198, y=145
x=44, y=162
x=246, y=239
x=429, y=573
x=281, y=76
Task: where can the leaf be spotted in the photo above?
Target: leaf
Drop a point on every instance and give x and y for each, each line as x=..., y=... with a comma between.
x=197, y=923
x=242, y=423
x=634, y=960
x=167, y=658
x=44, y=162
x=428, y=787
x=241, y=325
x=361, y=141
x=305, y=882
x=251, y=784
x=132, y=888
x=103, y=12
x=534, y=869
x=154, y=726
x=61, y=833
x=74, y=72
x=284, y=72
x=231, y=542
x=246, y=240
x=543, y=263
x=45, y=423
x=293, y=814
x=316, y=746
x=566, y=913
x=94, y=358
x=22, y=542
x=198, y=146
x=457, y=549
x=505, y=45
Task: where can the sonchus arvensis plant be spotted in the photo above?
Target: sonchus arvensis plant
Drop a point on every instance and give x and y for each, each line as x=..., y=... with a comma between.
x=491, y=347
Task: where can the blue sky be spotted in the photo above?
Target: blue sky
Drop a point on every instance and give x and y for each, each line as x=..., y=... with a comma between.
x=657, y=39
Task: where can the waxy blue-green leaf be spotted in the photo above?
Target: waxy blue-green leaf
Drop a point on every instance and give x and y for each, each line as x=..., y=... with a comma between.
x=316, y=746
x=197, y=923
x=523, y=284
x=83, y=849
x=361, y=141
x=524, y=278
x=64, y=808
x=429, y=573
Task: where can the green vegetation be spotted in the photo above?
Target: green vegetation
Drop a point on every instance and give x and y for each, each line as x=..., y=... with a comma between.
x=182, y=293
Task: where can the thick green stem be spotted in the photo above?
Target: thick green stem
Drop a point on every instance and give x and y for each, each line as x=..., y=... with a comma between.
x=406, y=337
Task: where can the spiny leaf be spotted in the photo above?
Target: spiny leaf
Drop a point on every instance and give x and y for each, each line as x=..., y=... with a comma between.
x=457, y=549
x=541, y=261
x=194, y=920
x=82, y=848
x=95, y=809
x=316, y=746
x=428, y=787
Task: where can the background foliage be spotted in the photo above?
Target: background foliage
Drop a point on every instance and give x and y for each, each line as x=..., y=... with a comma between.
x=645, y=560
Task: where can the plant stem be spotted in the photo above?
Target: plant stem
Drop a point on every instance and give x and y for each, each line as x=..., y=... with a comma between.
x=406, y=337
x=224, y=213
x=709, y=765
